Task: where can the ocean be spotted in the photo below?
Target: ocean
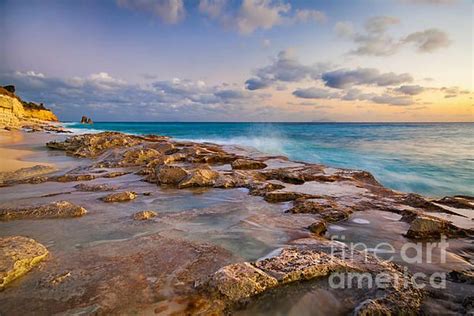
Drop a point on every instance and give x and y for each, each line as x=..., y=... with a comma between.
x=434, y=159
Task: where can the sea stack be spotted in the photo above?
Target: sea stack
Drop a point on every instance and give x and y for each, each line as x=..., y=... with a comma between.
x=86, y=120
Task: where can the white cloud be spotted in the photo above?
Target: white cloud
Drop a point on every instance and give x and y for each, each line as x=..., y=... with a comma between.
x=263, y=14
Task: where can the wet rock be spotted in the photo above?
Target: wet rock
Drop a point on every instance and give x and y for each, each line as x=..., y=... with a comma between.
x=86, y=120
x=115, y=174
x=120, y=197
x=144, y=215
x=260, y=189
x=73, y=177
x=428, y=227
x=417, y=201
x=283, y=196
x=241, y=280
x=328, y=209
x=60, y=209
x=201, y=177
x=18, y=255
x=248, y=164
x=94, y=187
x=169, y=174
x=464, y=202
x=287, y=175
x=465, y=276
x=92, y=145
x=25, y=173
x=139, y=156
x=318, y=228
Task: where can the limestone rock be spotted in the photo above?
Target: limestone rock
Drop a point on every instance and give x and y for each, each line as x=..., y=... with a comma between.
x=120, y=197
x=295, y=264
x=144, y=215
x=92, y=145
x=200, y=177
x=283, y=196
x=318, y=228
x=328, y=209
x=58, y=209
x=241, y=280
x=463, y=202
x=18, y=255
x=93, y=187
x=168, y=174
x=428, y=227
x=248, y=164
x=25, y=173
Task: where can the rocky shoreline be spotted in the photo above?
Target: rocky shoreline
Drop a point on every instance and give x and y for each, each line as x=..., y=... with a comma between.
x=209, y=279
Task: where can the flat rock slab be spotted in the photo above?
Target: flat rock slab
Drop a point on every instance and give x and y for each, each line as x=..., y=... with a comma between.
x=18, y=255
x=25, y=173
x=60, y=209
x=120, y=197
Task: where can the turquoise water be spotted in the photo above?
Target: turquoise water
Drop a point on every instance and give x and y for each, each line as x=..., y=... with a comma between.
x=434, y=159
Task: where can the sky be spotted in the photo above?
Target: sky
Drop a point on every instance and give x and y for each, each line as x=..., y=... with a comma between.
x=242, y=60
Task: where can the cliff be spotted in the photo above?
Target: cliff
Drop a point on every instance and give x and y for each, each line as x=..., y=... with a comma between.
x=14, y=112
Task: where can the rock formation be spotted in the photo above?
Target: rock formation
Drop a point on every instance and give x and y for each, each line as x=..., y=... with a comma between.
x=14, y=112
x=59, y=209
x=86, y=120
x=18, y=255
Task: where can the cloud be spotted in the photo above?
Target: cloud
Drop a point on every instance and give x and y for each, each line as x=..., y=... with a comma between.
x=344, y=29
x=410, y=89
x=108, y=98
x=345, y=78
x=393, y=100
x=315, y=93
x=285, y=68
x=169, y=11
x=212, y=8
x=253, y=15
x=429, y=40
x=309, y=15
x=375, y=41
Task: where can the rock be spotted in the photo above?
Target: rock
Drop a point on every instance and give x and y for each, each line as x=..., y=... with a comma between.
x=247, y=164
x=25, y=173
x=60, y=209
x=173, y=175
x=465, y=276
x=115, y=174
x=73, y=177
x=428, y=227
x=241, y=280
x=144, y=215
x=139, y=156
x=200, y=177
x=86, y=120
x=93, y=187
x=464, y=202
x=237, y=283
x=283, y=196
x=318, y=228
x=120, y=197
x=417, y=201
x=18, y=255
x=294, y=264
x=92, y=145
x=328, y=209
x=287, y=175
x=261, y=189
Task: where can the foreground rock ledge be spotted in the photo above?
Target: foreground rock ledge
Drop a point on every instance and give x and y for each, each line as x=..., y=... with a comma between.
x=232, y=285
x=18, y=255
x=60, y=209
